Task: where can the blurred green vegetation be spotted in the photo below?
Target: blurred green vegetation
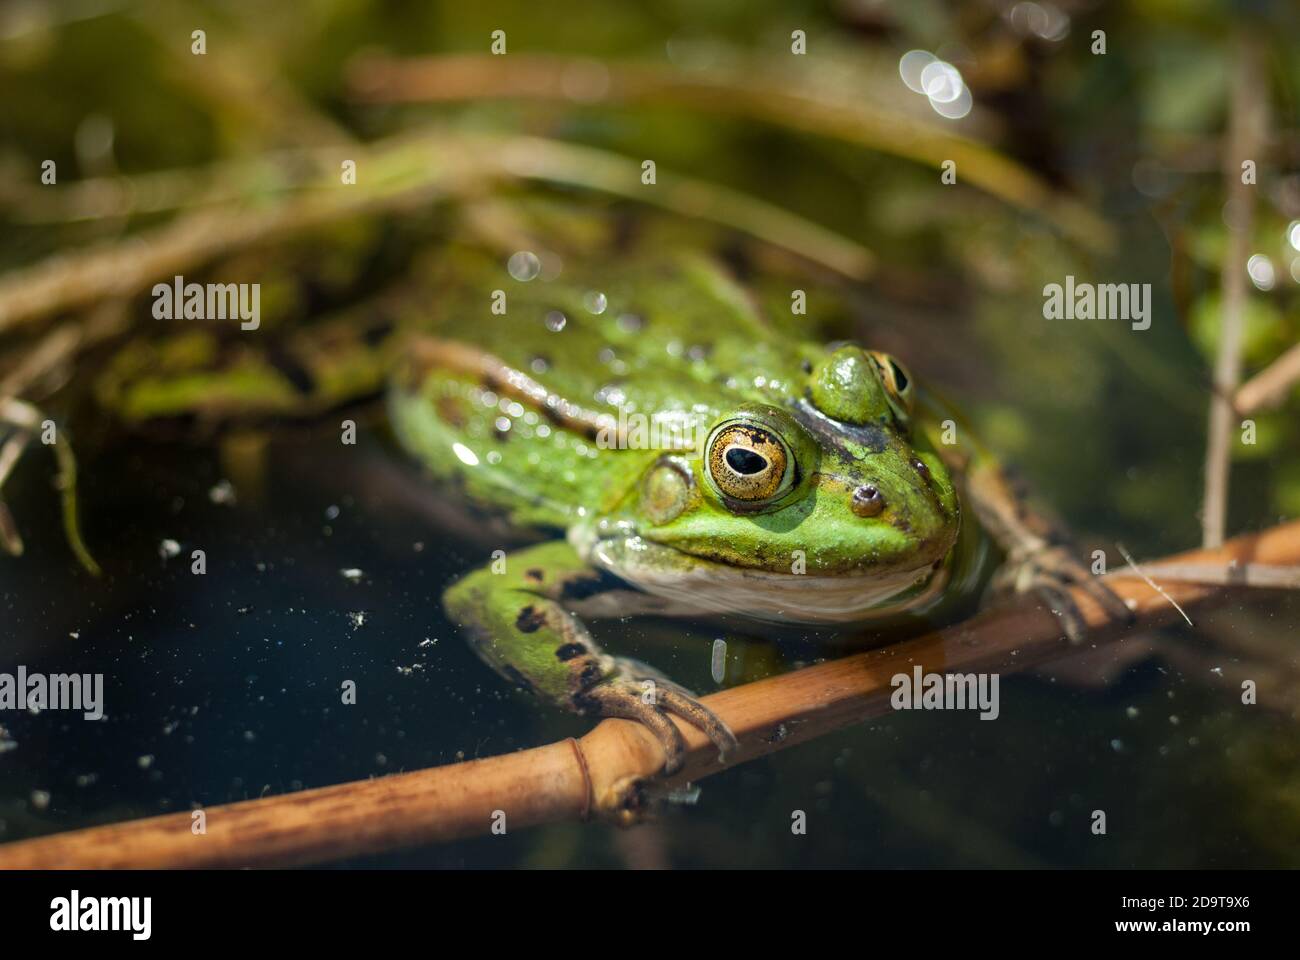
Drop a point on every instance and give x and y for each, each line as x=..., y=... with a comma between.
x=1107, y=422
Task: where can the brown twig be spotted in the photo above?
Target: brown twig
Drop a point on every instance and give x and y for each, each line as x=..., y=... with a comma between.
x=399, y=172
x=1248, y=118
x=794, y=101
x=1268, y=387
x=605, y=772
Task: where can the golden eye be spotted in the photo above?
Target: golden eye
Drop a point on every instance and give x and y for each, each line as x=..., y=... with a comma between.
x=749, y=463
x=897, y=379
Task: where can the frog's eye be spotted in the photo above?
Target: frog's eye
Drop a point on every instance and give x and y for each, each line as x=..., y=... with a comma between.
x=897, y=379
x=748, y=462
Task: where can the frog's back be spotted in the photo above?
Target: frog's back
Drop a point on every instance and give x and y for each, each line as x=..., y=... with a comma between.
x=672, y=338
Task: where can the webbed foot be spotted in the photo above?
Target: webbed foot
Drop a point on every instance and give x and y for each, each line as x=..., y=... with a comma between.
x=1051, y=571
x=635, y=692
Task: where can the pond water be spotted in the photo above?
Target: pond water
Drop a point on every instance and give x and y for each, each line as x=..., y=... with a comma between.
x=323, y=566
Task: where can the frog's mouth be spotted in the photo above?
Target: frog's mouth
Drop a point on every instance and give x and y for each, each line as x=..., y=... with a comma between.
x=690, y=584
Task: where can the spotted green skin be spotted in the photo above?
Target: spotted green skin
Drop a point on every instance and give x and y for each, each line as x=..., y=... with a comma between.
x=676, y=335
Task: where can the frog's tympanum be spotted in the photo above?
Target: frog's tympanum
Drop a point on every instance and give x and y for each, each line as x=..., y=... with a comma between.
x=682, y=453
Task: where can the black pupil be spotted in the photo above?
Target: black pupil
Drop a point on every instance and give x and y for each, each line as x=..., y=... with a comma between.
x=900, y=378
x=745, y=462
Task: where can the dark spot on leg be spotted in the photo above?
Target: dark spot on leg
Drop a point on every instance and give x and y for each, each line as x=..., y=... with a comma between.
x=589, y=675
x=569, y=651
x=536, y=574
x=530, y=620
x=584, y=585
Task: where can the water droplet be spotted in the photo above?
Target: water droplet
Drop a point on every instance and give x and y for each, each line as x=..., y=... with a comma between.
x=595, y=302
x=524, y=265
x=555, y=321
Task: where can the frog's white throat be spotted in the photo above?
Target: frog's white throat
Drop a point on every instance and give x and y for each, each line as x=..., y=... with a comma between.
x=688, y=585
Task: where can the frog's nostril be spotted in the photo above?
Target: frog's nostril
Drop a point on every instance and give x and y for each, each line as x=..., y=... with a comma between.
x=920, y=467
x=867, y=501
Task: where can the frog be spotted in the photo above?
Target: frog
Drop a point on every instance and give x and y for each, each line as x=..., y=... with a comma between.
x=667, y=446
x=774, y=479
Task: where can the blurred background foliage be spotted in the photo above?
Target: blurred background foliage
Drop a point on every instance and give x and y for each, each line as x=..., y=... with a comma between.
x=1104, y=166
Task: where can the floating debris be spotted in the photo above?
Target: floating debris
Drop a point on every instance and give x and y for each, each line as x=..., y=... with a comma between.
x=40, y=799
x=168, y=549
x=357, y=618
x=352, y=574
x=719, y=664
x=222, y=493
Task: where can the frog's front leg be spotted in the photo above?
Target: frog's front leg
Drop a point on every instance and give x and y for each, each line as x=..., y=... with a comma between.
x=1040, y=556
x=518, y=624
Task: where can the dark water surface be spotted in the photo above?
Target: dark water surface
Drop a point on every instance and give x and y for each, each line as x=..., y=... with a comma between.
x=226, y=686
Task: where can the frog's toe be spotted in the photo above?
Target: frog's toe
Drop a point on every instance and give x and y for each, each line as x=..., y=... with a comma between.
x=1065, y=610
x=650, y=699
x=1051, y=573
x=697, y=714
x=623, y=698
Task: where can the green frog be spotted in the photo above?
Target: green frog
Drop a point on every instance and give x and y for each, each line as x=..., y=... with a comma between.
x=679, y=450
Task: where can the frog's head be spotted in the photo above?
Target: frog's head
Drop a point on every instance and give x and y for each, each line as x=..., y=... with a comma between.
x=815, y=510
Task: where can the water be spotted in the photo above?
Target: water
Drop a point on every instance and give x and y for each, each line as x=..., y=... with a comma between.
x=328, y=567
